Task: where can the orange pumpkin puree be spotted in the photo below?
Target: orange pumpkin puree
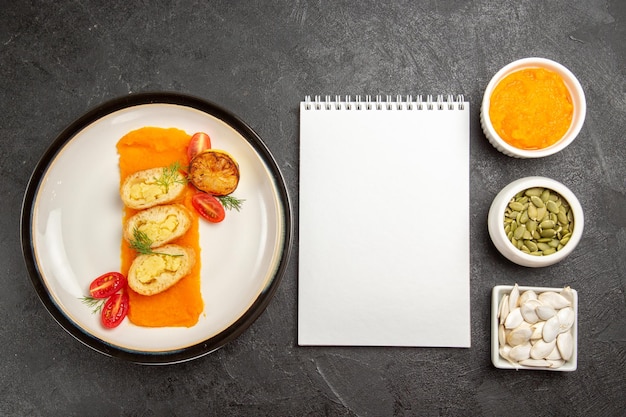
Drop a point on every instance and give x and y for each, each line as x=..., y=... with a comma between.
x=181, y=304
x=531, y=108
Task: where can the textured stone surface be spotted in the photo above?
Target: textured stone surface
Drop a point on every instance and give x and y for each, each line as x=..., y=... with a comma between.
x=259, y=59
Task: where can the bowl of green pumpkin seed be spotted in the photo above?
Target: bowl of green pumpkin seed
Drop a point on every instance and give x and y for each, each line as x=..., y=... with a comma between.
x=535, y=221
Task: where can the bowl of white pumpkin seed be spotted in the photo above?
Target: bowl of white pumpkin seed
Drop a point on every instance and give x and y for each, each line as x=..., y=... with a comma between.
x=534, y=328
x=535, y=221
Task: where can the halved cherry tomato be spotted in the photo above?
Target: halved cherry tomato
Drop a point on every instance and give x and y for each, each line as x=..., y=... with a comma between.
x=114, y=310
x=199, y=142
x=107, y=284
x=209, y=207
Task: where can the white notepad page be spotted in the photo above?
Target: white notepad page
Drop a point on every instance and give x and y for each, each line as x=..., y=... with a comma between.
x=384, y=224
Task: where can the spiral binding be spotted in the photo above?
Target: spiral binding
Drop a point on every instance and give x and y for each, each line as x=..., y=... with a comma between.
x=449, y=102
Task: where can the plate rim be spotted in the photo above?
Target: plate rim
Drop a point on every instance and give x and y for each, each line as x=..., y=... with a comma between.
x=213, y=343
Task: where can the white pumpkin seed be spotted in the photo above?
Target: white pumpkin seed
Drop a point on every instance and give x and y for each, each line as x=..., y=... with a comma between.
x=519, y=336
x=528, y=310
x=504, y=352
x=503, y=311
x=556, y=363
x=554, y=355
x=565, y=343
x=514, y=319
x=568, y=294
x=566, y=318
x=501, y=335
x=537, y=330
x=514, y=298
x=520, y=352
x=541, y=349
x=545, y=312
x=551, y=329
x=535, y=363
x=556, y=300
x=528, y=294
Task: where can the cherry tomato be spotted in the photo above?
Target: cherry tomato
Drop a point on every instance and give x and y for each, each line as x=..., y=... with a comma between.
x=199, y=142
x=107, y=284
x=114, y=310
x=209, y=207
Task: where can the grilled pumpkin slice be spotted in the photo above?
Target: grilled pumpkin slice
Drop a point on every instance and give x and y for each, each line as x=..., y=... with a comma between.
x=215, y=172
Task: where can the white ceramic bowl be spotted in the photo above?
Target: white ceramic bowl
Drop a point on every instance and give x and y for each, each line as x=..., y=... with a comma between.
x=496, y=222
x=498, y=361
x=578, y=98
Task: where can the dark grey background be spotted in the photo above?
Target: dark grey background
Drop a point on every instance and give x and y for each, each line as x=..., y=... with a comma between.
x=259, y=59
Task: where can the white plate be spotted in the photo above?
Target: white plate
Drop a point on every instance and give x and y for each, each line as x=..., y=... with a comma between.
x=71, y=228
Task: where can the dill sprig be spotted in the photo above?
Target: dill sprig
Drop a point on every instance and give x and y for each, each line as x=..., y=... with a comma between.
x=170, y=176
x=142, y=244
x=231, y=202
x=94, y=303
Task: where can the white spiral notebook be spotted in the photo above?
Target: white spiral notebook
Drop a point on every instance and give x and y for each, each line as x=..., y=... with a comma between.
x=384, y=222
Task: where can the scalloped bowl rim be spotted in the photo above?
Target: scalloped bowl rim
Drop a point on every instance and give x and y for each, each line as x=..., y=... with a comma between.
x=576, y=91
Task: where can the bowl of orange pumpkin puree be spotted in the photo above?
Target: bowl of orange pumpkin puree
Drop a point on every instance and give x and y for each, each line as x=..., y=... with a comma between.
x=532, y=107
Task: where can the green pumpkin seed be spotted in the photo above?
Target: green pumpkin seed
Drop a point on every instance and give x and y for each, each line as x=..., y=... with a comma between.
x=543, y=246
x=552, y=206
x=532, y=246
x=534, y=192
x=547, y=224
x=537, y=201
x=545, y=195
x=541, y=213
x=512, y=214
x=515, y=206
x=523, y=218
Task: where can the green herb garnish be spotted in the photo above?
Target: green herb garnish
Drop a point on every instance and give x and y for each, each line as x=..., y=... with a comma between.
x=230, y=202
x=170, y=176
x=141, y=243
x=94, y=303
